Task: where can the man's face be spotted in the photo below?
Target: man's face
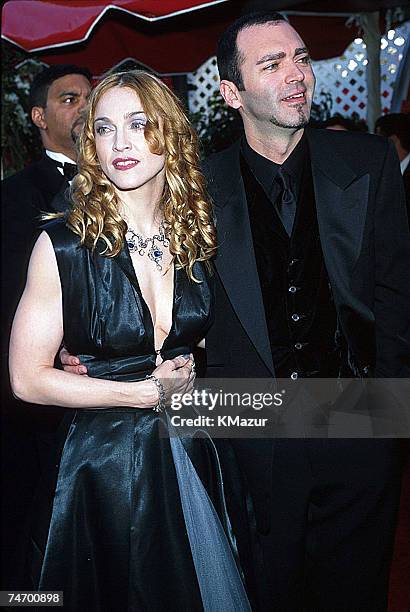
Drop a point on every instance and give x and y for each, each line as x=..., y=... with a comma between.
x=66, y=99
x=277, y=75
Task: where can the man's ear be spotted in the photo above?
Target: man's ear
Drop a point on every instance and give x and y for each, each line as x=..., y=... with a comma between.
x=230, y=94
x=38, y=117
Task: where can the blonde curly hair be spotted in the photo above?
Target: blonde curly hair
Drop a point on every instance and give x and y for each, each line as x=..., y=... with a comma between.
x=94, y=214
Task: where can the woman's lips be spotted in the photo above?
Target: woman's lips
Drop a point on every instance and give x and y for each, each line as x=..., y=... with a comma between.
x=125, y=163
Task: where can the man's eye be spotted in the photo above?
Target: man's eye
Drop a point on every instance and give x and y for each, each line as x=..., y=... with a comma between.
x=304, y=60
x=271, y=67
x=69, y=100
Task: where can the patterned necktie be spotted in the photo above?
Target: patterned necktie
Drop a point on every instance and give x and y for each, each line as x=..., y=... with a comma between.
x=286, y=201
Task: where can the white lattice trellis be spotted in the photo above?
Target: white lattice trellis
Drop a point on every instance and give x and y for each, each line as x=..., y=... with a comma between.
x=202, y=84
x=343, y=77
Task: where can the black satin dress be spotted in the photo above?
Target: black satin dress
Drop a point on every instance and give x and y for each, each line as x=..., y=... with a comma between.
x=110, y=529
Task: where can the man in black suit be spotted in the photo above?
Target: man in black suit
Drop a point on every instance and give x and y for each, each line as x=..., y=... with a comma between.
x=312, y=276
x=57, y=96
x=396, y=126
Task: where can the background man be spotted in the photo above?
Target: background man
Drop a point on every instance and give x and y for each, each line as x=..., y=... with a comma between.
x=57, y=96
x=315, y=223
x=396, y=126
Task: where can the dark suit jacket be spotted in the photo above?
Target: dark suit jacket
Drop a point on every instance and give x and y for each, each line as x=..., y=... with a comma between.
x=366, y=247
x=25, y=195
x=27, y=431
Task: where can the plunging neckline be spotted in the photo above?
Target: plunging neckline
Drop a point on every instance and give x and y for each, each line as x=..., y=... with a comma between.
x=146, y=308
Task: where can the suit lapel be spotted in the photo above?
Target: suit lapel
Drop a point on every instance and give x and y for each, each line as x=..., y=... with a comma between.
x=235, y=261
x=53, y=184
x=51, y=178
x=341, y=201
x=61, y=201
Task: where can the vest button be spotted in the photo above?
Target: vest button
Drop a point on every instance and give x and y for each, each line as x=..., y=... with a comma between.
x=292, y=289
x=294, y=376
x=295, y=317
x=298, y=346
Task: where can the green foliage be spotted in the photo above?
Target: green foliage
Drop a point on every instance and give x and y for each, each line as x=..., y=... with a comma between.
x=217, y=124
x=323, y=110
x=19, y=138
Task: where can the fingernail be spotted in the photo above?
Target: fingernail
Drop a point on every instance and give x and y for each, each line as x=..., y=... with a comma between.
x=186, y=356
x=82, y=369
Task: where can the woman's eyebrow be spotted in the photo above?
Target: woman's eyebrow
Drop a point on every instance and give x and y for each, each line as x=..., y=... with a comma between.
x=126, y=116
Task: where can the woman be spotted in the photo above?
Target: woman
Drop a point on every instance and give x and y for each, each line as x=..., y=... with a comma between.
x=125, y=280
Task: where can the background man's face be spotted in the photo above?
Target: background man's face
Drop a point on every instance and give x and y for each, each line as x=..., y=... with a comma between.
x=277, y=75
x=66, y=99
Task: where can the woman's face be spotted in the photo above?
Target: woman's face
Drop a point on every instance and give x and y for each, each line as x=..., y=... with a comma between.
x=121, y=147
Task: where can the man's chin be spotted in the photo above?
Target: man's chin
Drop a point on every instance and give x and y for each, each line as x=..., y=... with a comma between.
x=290, y=124
x=74, y=135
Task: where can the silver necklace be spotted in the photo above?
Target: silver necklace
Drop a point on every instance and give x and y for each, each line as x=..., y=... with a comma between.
x=138, y=244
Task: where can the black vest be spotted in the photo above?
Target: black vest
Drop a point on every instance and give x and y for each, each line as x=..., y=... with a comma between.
x=300, y=313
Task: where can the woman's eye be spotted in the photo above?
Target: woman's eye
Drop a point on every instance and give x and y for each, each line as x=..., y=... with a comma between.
x=102, y=129
x=139, y=125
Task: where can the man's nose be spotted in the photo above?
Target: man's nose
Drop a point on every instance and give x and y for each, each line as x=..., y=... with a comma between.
x=82, y=103
x=295, y=73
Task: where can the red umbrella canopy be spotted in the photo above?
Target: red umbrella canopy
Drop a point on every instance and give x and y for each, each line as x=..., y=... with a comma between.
x=167, y=36
x=41, y=24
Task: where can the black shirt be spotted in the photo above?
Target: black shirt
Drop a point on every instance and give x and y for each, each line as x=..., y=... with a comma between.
x=265, y=170
x=291, y=269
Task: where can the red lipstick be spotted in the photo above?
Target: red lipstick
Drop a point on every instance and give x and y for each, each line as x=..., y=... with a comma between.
x=125, y=163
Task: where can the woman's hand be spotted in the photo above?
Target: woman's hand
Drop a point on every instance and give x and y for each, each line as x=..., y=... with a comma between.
x=177, y=375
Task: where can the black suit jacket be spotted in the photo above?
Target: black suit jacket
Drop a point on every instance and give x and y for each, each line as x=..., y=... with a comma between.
x=25, y=195
x=366, y=246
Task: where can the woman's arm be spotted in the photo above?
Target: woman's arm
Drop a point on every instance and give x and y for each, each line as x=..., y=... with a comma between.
x=38, y=331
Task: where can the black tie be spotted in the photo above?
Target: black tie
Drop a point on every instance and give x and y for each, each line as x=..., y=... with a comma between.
x=286, y=201
x=69, y=170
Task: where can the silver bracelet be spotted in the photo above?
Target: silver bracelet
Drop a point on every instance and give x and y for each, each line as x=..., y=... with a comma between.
x=160, y=407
